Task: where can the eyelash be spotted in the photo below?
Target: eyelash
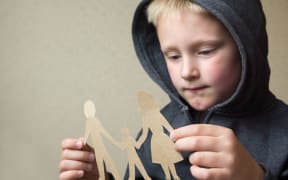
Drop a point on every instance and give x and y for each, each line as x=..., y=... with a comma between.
x=205, y=51
x=174, y=57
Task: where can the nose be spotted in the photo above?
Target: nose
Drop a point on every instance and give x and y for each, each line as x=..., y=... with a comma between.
x=189, y=69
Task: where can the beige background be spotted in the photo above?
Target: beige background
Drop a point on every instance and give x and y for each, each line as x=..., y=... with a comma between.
x=54, y=54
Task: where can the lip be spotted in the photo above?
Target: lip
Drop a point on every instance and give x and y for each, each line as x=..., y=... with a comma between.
x=195, y=89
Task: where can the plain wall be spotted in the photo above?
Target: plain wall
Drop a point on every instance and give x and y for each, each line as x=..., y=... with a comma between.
x=56, y=54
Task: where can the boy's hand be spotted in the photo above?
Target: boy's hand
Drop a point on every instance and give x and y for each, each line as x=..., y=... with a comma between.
x=216, y=153
x=78, y=161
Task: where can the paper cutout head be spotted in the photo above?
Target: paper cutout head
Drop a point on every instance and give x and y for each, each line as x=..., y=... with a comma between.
x=146, y=101
x=89, y=109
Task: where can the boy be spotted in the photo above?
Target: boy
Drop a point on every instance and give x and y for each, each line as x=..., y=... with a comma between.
x=210, y=57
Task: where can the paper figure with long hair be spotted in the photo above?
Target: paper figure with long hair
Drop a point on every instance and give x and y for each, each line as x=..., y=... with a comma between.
x=162, y=147
x=128, y=143
x=97, y=131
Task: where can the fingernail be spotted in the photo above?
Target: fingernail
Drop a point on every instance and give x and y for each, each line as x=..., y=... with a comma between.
x=80, y=174
x=79, y=144
x=172, y=136
x=91, y=157
x=89, y=167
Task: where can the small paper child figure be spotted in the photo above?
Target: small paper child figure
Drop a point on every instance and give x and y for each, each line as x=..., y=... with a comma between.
x=96, y=130
x=128, y=143
x=162, y=147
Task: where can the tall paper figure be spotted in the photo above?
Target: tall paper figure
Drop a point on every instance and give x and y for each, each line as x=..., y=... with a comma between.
x=96, y=130
x=162, y=147
x=128, y=143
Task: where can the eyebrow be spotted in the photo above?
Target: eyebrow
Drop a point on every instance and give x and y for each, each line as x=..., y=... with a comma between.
x=196, y=44
x=169, y=49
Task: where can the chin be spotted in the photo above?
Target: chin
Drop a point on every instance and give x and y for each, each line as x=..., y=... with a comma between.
x=200, y=106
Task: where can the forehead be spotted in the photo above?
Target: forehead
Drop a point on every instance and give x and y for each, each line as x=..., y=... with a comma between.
x=192, y=20
x=190, y=25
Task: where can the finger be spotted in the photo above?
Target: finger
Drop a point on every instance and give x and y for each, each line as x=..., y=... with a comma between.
x=198, y=143
x=198, y=130
x=201, y=173
x=76, y=144
x=77, y=155
x=73, y=174
x=86, y=146
x=207, y=159
x=72, y=144
x=67, y=165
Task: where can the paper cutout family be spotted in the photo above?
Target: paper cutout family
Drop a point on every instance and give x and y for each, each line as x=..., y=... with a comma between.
x=162, y=147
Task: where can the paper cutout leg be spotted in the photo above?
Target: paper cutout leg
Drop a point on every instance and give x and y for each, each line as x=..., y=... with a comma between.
x=107, y=162
x=128, y=143
x=162, y=153
x=173, y=171
x=97, y=131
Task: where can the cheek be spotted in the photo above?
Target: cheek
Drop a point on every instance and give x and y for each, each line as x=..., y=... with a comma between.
x=213, y=75
x=221, y=75
x=173, y=73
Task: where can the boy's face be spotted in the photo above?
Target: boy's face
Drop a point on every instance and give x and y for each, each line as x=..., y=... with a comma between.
x=202, y=59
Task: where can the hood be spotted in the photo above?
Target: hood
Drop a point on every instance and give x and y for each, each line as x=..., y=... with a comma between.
x=246, y=22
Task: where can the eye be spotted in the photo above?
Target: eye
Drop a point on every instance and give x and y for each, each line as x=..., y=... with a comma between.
x=206, y=51
x=172, y=56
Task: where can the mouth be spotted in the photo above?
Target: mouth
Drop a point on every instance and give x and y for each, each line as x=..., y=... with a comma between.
x=195, y=89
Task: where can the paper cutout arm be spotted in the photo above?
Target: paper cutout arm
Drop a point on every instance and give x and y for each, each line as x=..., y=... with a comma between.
x=110, y=138
x=87, y=132
x=165, y=123
x=142, y=137
x=126, y=143
x=121, y=145
x=89, y=112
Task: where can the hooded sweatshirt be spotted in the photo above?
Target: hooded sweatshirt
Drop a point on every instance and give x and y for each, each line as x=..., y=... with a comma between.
x=258, y=119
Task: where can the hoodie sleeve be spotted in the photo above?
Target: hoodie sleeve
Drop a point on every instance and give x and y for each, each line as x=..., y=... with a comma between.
x=282, y=176
x=284, y=173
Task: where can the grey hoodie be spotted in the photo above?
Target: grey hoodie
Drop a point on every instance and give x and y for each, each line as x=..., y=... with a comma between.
x=258, y=119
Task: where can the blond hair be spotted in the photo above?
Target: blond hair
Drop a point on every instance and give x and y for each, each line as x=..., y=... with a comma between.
x=159, y=8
